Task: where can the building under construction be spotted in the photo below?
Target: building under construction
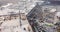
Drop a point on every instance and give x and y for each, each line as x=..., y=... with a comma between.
x=44, y=14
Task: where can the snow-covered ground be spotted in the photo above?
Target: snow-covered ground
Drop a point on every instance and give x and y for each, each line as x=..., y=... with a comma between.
x=14, y=26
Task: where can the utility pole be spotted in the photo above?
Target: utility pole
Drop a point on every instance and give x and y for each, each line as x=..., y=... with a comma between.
x=20, y=18
x=20, y=12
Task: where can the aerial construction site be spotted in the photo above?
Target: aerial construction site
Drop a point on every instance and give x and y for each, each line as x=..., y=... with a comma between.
x=29, y=15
